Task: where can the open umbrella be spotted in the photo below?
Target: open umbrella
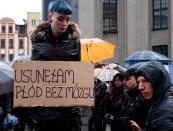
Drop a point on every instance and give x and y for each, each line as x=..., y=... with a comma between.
x=21, y=58
x=6, y=78
x=4, y=60
x=104, y=74
x=170, y=70
x=116, y=67
x=96, y=50
x=144, y=56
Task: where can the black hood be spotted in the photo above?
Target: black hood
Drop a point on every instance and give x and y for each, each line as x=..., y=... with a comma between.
x=156, y=73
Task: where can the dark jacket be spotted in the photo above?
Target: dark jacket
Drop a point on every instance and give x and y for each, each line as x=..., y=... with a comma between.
x=6, y=106
x=46, y=47
x=160, y=114
x=100, y=108
x=130, y=104
x=133, y=106
x=6, y=103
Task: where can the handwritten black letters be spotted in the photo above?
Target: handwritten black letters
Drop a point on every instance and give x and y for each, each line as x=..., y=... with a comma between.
x=58, y=83
x=53, y=84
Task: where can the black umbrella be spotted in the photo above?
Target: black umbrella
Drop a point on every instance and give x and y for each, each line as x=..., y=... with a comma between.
x=6, y=78
x=144, y=56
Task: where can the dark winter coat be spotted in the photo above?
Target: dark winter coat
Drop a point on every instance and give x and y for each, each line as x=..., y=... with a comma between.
x=46, y=47
x=100, y=107
x=6, y=103
x=6, y=106
x=160, y=114
x=133, y=106
x=130, y=104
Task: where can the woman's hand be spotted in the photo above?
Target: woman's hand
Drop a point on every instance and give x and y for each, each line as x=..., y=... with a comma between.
x=135, y=126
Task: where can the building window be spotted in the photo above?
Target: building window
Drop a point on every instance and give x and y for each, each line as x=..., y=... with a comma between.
x=2, y=56
x=20, y=43
x=33, y=22
x=10, y=29
x=162, y=49
x=21, y=54
x=2, y=43
x=11, y=56
x=10, y=43
x=109, y=16
x=3, y=29
x=22, y=29
x=160, y=14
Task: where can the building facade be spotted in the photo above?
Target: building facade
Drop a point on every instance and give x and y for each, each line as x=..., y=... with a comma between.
x=13, y=39
x=33, y=19
x=132, y=25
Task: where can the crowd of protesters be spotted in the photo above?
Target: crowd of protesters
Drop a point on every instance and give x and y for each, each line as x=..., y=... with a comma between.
x=139, y=99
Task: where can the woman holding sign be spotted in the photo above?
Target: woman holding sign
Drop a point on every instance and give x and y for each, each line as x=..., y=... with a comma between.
x=56, y=40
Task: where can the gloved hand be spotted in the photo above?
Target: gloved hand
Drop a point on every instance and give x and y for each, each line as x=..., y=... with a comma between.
x=10, y=121
x=109, y=118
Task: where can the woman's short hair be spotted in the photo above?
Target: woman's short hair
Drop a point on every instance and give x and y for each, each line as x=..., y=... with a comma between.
x=119, y=75
x=60, y=6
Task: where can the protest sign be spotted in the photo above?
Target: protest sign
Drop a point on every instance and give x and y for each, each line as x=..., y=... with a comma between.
x=53, y=84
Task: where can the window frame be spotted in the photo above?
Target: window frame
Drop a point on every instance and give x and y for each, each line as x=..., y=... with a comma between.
x=162, y=49
x=2, y=56
x=11, y=57
x=2, y=43
x=110, y=18
x=33, y=22
x=10, y=29
x=3, y=29
x=11, y=43
x=22, y=29
x=21, y=44
x=163, y=22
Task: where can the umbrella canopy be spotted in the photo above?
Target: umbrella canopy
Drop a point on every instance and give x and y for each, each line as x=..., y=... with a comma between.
x=170, y=70
x=104, y=74
x=116, y=67
x=21, y=58
x=143, y=56
x=96, y=50
x=6, y=61
x=6, y=78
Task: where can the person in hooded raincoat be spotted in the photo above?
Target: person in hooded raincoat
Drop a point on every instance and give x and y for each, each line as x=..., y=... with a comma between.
x=154, y=83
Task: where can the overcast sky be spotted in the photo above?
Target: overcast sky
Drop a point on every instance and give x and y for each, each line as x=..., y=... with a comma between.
x=17, y=9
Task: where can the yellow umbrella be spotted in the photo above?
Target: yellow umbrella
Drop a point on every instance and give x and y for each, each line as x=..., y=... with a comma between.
x=95, y=50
